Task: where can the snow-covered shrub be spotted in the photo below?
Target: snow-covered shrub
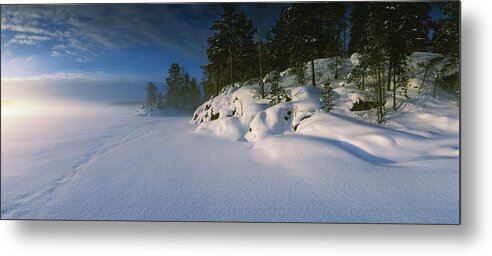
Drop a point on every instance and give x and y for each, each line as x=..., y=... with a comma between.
x=278, y=93
x=328, y=96
x=146, y=110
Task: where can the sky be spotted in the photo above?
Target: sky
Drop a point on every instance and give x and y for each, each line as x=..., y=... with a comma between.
x=103, y=44
x=120, y=46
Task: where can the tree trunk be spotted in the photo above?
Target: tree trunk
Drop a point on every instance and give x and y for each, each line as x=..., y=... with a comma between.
x=344, y=52
x=423, y=79
x=336, y=67
x=394, y=90
x=388, y=86
x=262, y=86
x=313, y=79
x=380, y=91
x=394, y=78
x=231, y=64
x=435, y=85
x=363, y=82
x=380, y=86
x=216, y=80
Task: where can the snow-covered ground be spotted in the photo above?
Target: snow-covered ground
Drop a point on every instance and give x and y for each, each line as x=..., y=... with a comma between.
x=241, y=160
x=114, y=166
x=409, y=163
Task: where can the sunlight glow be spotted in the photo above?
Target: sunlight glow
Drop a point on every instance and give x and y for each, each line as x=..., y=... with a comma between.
x=12, y=109
x=48, y=108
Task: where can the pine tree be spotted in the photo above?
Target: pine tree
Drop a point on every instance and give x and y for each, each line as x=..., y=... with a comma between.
x=407, y=32
x=260, y=32
x=328, y=96
x=232, y=50
x=374, y=54
x=247, y=53
x=336, y=25
x=358, y=76
x=173, y=86
x=182, y=90
x=446, y=41
x=194, y=95
x=417, y=25
x=385, y=38
x=184, y=93
x=278, y=93
x=358, y=20
x=211, y=81
x=279, y=40
x=222, y=46
x=400, y=41
x=305, y=31
x=152, y=96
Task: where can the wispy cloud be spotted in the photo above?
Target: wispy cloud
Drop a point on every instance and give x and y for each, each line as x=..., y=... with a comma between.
x=84, y=31
x=62, y=76
x=28, y=39
x=77, y=76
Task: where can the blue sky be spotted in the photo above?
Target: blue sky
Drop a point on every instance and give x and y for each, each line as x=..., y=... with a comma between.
x=128, y=40
x=106, y=43
x=138, y=41
x=97, y=44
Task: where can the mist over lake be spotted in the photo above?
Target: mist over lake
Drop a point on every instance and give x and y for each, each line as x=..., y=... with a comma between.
x=67, y=90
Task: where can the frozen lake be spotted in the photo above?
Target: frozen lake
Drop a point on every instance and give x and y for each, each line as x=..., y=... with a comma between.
x=115, y=166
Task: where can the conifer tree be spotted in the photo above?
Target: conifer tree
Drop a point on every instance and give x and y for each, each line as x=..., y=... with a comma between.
x=152, y=95
x=358, y=76
x=222, y=45
x=278, y=93
x=260, y=33
x=247, y=53
x=305, y=28
x=279, y=41
x=358, y=21
x=336, y=25
x=328, y=96
x=374, y=54
x=407, y=32
x=194, y=93
x=232, y=54
x=173, y=85
x=305, y=32
x=182, y=90
x=446, y=41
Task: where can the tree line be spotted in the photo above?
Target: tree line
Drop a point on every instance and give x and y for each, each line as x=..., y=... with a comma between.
x=182, y=92
x=383, y=34
x=241, y=49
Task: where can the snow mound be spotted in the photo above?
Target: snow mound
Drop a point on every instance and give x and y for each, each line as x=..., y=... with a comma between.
x=370, y=142
x=152, y=111
x=148, y=111
x=238, y=113
x=229, y=128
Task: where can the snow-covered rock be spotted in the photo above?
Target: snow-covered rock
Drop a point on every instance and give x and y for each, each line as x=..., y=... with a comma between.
x=148, y=111
x=237, y=113
x=153, y=111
